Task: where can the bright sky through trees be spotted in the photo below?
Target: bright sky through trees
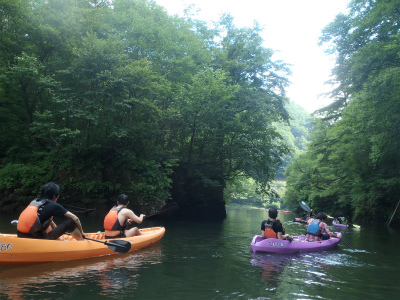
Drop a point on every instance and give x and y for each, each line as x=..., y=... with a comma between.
x=291, y=28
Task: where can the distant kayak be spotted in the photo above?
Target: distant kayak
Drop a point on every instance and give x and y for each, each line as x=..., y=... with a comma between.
x=299, y=244
x=335, y=223
x=300, y=220
x=284, y=211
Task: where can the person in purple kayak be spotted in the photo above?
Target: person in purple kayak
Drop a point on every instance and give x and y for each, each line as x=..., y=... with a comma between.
x=341, y=219
x=317, y=229
x=273, y=228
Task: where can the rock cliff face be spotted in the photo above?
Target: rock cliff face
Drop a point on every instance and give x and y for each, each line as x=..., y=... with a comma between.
x=197, y=200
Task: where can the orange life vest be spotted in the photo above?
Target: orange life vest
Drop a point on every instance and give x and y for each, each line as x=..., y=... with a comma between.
x=111, y=221
x=269, y=232
x=28, y=221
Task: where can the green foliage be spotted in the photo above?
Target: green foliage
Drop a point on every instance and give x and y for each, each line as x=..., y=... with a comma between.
x=295, y=134
x=108, y=98
x=12, y=176
x=244, y=192
x=353, y=161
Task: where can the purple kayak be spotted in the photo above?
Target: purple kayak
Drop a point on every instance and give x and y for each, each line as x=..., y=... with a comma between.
x=299, y=244
x=335, y=223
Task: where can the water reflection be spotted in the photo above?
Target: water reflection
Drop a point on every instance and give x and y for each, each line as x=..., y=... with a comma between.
x=105, y=276
x=213, y=261
x=271, y=265
x=303, y=274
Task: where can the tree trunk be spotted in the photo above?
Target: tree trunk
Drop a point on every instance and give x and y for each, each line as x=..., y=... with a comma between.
x=197, y=201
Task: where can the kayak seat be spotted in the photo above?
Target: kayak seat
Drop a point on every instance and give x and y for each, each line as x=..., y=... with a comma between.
x=97, y=236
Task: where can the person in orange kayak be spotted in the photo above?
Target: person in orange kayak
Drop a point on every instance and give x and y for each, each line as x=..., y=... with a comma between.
x=273, y=228
x=36, y=221
x=317, y=229
x=119, y=218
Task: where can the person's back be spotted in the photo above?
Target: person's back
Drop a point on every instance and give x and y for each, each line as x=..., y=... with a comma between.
x=273, y=228
x=342, y=219
x=119, y=218
x=317, y=229
x=36, y=221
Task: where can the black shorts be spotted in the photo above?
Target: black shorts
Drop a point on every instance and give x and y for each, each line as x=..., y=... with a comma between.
x=67, y=225
x=121, y=235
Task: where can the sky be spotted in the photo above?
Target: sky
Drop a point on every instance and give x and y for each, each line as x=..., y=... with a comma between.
x=291, y=29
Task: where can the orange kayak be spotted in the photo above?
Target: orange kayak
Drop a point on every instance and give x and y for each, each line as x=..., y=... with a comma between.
x=15, y=250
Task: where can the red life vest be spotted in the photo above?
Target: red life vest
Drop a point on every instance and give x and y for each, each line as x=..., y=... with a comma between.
x=111, y=221
x=269, y=232
x=28, y=221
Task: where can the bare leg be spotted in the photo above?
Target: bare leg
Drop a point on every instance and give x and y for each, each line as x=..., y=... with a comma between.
x=76, y=234
x=132, y=232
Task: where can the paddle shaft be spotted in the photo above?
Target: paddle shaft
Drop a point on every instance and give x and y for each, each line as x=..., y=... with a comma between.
x=103, y=242
x=347, y=244
x=166, y=208
x=124, y=247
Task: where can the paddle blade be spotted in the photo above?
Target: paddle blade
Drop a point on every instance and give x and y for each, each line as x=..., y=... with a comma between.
x=119, y=246
x=168, y=208
x=305, y=206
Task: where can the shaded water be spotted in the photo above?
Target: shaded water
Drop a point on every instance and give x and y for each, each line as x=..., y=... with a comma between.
x=197, y=260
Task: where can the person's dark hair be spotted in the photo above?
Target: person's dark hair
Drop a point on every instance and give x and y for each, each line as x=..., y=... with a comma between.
x=321, y=216
x=272, y=213
x=123, y=199
x=49, y=190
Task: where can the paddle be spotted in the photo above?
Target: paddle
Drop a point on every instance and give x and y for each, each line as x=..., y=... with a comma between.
x=306, y=207
x=354, y=225
x=347, y=244
x=169, y=207
x=119, y=246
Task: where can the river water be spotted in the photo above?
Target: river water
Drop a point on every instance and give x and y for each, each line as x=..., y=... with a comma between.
x=207, y=260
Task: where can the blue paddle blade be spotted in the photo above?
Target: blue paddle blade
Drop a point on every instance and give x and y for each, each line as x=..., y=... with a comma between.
x=305, y=206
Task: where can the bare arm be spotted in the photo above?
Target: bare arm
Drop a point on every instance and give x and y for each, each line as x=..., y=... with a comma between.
x=75, y=219
x=130, y=215
x=283, y=236
x=327, y=230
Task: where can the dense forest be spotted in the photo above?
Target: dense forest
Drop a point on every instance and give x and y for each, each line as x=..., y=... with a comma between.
x=352, y=164
x=105, y=97
x=296, y=136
